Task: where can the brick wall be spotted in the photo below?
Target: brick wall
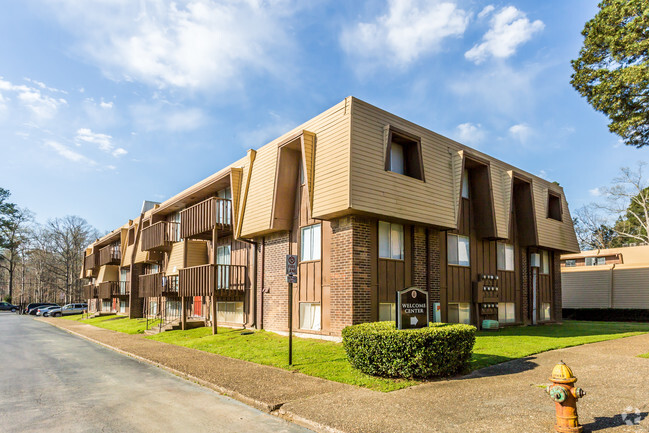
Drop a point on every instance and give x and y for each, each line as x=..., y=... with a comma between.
x=275, y=293
x=556, y=290
x=435, y=263
x=419, y=258
x=525, y=301
x=136, y=304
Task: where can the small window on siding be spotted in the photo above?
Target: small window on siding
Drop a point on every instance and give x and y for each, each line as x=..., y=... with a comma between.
x=570, y=263
x=403, y=154
x=231, y=312
x=310, y=316
x=590, y=261
x=506, y=312
x=387, y=311
x=458, y=250
x=465, y=183
x=545, y=262
x=390, y=241
x=601, y=261
x=459, y=313
x=554, y=206
x=505, y=257
x=310, y=243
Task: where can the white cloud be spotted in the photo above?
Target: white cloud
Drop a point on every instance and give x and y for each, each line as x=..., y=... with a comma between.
x=509, y=28
x=521, y=132
x=68, y=153
x=197, y=44
x=409, y=30
x=41, y=105
x=543, y=174
x=595, y=192
x=486, y=11
x=103, y=141
x=469, y=133
x=103, y=104
x=119, y=152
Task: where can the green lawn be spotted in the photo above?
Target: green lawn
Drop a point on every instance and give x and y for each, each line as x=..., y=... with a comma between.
x=115, y=323
x=327, y=359
x=644, y=355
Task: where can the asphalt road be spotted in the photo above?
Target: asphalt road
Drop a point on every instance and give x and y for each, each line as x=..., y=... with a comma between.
x=53, y=381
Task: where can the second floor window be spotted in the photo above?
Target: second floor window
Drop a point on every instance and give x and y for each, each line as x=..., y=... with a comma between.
x=310, y=243
x=571, y=263
x=505, y=257
x=390, y=241
x=458, y=250
x=545, y=262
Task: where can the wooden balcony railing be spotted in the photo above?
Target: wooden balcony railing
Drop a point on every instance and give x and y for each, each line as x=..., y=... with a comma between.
x=89, y=291
x=203, y=280
x=198, y=221
x=110, y=255
x=158, y=284
x=111, y=289
x=91, y=261
x=104, y=290
x=160, y=235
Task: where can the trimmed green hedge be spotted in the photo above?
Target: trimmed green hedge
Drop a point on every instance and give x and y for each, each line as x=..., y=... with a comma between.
x=380, y=349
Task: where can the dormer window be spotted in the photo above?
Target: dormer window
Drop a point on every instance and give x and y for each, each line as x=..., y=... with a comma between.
x=465, y=183
x=403, y=154
x=554, y=206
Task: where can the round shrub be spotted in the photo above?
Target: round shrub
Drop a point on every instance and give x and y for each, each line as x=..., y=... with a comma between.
x=382, y=350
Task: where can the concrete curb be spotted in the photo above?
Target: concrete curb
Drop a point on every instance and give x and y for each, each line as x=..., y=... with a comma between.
x=272, y=409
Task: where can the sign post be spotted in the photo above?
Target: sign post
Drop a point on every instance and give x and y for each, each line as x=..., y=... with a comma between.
x=291, y=277
x=413, y=311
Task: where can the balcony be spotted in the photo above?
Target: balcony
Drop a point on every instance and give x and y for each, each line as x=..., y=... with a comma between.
x=89, y=291
x=110, y=255
x=111, y=289
x=160, y=236
x=203, y=280
x=91, y=261
x=197, y=222
x=158, y=284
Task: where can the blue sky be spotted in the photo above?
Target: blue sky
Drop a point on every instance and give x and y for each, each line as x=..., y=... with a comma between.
x=105, y=105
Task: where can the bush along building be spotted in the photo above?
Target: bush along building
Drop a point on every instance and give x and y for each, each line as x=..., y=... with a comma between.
x=371, y=204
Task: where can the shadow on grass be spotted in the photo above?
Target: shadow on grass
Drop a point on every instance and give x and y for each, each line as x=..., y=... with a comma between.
x=484, y=365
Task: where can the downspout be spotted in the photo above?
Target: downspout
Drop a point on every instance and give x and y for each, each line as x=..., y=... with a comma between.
x=255, y=245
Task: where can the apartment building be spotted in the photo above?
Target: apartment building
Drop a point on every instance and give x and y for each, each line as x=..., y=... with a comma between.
x=371, y=204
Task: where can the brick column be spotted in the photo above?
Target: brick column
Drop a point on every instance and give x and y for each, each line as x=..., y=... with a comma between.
x=525, y=286
x=275, y=296
x=419, y=258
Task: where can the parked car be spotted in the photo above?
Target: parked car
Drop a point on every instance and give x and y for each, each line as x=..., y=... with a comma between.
x=40, y=311
x=66, y=310
x=6, y=306
x=31, y=308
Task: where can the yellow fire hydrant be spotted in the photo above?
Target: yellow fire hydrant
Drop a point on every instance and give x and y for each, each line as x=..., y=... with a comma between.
x=565, y=397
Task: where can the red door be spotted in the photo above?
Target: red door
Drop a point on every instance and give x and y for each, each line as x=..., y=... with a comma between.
x=114, y=304
x=198, y=304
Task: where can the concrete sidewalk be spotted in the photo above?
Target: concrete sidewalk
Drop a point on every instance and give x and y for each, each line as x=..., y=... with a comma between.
x=508, y=397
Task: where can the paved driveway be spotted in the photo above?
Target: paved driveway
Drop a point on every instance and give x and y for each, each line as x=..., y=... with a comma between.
x=54, y=381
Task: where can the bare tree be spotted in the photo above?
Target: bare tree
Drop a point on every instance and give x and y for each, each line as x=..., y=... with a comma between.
x=14, y=233
x=628, y=199
x=592, y=229
x=70, y=236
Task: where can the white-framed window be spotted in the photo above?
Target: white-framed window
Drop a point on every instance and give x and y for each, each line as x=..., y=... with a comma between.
x=465, y=183
x=224, y=206
x=506, y=312
x=505, y=259
x=545, y=262
x=458, y=250
x=545, y=311
x=153, y=308
x=571, y=263
x=222, y=272
x=391, y=241
x=231, y=312
x=590, y=261
x=397, y=161
x=122, y=306
x=310, y=316
x=601, y=261
x=105, y=305
x=310, y=242
x=459, y=312
x=387, y=312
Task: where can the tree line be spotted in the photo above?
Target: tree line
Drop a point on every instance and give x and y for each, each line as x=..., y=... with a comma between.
x=40, y=262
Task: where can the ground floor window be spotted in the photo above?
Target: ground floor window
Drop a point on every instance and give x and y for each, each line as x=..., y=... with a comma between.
x=231, y=312
x=387, y=312
x=310, y=316
x=459, y=313
x=506, y=312
x=545, y=311
x=437, y=312
x=122, y=306
x=153, y=308
x=172, y=308
x=105, y=305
